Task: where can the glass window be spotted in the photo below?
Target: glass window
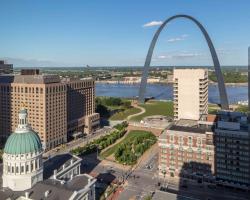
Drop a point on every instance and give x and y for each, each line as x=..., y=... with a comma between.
x=190, y=140
x=171, y=138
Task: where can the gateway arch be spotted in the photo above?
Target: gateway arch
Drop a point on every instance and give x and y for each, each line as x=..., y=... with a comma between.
x=221, y=85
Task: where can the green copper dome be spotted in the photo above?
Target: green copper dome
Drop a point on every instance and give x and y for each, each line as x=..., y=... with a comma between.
x=22, y=143
x=24, y=139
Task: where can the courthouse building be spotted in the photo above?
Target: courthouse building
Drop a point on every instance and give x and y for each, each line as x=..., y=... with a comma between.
x=26, y=176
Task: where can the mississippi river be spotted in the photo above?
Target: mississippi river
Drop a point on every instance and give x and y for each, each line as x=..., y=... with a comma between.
x=164, y=92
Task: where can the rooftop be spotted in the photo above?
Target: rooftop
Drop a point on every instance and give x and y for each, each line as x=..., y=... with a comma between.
x=55, y=189
x=188, y=129
x=230, y=120
x=56, y=163
x=187, y=123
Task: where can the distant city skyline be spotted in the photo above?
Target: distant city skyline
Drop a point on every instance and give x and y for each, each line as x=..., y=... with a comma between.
x=112, y=33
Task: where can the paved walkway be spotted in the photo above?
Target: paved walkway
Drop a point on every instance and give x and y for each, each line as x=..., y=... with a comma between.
x=136, y=114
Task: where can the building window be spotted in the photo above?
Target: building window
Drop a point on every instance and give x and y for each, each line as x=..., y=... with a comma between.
x=180, y=140
x=199, y=141
x=171, y=138
x=190, y=140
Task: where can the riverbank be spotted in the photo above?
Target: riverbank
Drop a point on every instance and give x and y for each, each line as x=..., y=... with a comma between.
x=235, y=93
x=161, y=83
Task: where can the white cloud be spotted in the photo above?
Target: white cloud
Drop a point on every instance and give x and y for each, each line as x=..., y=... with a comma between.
x=175, y=39
x=153, y=23
x=178, y=56
x=164, y=57
x=182, y=37
x=186, y=55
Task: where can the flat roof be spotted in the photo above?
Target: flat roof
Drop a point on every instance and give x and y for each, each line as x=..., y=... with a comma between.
x=188, y=129
x=186, y=122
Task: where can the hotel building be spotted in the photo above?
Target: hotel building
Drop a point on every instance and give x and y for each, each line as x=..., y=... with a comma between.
x=55, y=107
x=190, y=93
x=81, y=100
x=187, y=151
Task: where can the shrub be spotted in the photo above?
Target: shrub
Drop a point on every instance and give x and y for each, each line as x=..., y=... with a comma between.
x=129, y=151
x=100, y=143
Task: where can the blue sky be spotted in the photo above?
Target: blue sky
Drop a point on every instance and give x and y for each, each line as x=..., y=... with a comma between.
x=112, y=32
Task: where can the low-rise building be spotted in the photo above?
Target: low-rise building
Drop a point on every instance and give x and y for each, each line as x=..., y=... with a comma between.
x=187, y=151
x=5, y=68
x=217, y=148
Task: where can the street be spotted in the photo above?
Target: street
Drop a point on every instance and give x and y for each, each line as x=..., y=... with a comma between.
x=78, y=142
x=143, y=180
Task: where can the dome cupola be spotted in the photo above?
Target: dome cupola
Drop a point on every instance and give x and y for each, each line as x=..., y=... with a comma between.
x=24, y=139
x=22, y=158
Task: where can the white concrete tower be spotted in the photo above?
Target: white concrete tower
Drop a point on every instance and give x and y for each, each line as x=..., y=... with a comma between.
x=190, y=93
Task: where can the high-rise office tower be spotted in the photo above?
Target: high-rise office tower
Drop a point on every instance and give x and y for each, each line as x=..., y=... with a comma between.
x=45, y=97
x=190, y=93
x=81, y=114
x=5, y=68
x=232, y=149
x=57, y=108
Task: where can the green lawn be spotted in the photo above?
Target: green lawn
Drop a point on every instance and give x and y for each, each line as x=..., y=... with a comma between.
x=122, y=115
x=129, y=137
x=242, y=108
x=213, y=108
x=155, y=108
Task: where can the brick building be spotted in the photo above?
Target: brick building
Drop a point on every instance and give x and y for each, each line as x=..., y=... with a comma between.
x=54, y=105
x=186, y=151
